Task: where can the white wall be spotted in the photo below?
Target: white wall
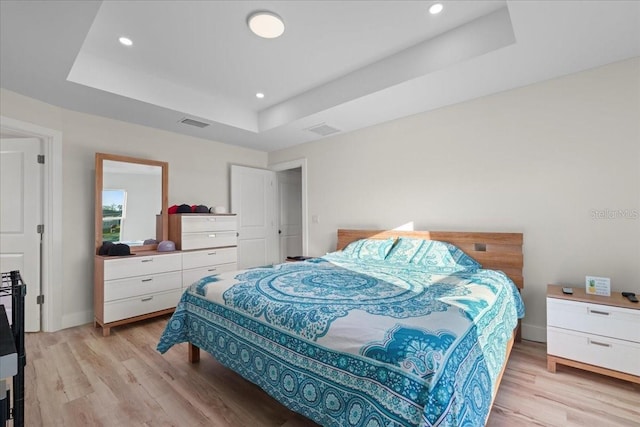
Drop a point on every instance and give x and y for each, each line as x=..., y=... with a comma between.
x=537, y=160
x=198, y=174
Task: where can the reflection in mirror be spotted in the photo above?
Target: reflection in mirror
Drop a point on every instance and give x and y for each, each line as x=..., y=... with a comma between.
x=131, y=199
x=130, y=194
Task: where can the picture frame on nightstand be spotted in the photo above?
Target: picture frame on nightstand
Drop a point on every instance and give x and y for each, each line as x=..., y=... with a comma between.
x=598, y=286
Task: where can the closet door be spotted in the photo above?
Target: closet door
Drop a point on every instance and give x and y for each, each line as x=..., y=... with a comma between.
x=20, y=215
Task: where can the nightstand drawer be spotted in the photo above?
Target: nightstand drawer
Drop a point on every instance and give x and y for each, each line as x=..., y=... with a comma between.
x=144, y=304
x=618, y=355
x=191, y=276
x=603, y=320
x=208, y=240
x=141, y=285
x=209, y=257
x=196, y=224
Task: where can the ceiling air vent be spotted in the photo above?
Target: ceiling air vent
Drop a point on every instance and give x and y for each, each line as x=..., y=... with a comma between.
x=323, y=129
x=192, y=122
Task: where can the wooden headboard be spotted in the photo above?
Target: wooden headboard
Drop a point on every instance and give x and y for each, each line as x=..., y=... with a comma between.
x=495, y=251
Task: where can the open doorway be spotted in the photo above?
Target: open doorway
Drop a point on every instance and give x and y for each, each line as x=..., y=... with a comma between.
x=292, y=207
x=290, y=212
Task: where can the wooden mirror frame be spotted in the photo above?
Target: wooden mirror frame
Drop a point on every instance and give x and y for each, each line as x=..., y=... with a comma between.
x=100, y=158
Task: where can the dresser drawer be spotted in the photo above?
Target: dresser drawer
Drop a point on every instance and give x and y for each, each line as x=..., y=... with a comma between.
x=208, y=240
x=196, y=224
x=603, y=320
x=141, y=265
x=189, y=277
x=141, y=285
x=209, y=257
x=144, y=304
x=618, y=355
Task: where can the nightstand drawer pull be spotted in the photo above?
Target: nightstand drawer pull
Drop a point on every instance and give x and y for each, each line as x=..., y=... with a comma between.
x=146, y=280
x=148, y=260
x=212, y=235
x=601, y=344
x=212, y=269
x=604, y=313
x=212, y=253
x=146, y=299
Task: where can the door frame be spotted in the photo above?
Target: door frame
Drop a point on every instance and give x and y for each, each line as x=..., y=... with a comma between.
x=302, y=164
x=51, y=262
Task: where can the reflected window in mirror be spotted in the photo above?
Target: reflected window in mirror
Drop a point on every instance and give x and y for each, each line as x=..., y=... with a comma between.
x=114, y=208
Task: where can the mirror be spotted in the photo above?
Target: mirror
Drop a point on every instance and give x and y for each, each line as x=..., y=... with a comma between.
x=131, y=201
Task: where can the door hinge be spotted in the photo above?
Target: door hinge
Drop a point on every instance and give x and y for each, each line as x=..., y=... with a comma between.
x=40, y=299
x=40, y=229
x=41, y=159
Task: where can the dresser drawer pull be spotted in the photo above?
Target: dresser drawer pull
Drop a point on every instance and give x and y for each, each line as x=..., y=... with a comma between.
x=146, y=280
x=148, y=260
x=146, y=299
x=212, y=253
x=212, y=269
x=604, y=313
x=212, y=235
x=601, y=344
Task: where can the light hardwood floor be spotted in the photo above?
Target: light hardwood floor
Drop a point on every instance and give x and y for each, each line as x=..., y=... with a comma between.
x=76, y=377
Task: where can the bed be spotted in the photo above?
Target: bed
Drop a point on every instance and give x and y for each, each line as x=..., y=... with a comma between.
x=395, y=328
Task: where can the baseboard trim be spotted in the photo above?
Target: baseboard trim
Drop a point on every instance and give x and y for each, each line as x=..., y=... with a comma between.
x=534, y=333
x=76, y=319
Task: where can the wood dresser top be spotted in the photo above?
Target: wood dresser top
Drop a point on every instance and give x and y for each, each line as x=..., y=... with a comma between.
x=579, y=294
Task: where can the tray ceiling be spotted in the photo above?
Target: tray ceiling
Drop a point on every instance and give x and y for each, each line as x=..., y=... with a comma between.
x=344, y=65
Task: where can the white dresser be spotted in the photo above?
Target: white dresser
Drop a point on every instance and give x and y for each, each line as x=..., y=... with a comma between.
x=208, y=241
x=199, y=231
x=149, y=284
x=200, y=263
x=135, y=287
x=594, y=333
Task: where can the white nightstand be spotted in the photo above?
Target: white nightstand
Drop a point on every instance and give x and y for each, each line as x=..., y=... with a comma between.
x=594, y=333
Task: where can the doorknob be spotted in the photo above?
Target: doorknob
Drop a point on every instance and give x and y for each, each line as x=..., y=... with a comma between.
x=279, y=231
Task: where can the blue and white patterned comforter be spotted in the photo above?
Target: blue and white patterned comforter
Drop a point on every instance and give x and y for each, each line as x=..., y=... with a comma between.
x=353, y=343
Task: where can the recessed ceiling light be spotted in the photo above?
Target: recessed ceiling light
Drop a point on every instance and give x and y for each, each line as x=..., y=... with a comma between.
x=260, y=95
x=267, y=25
x=126, y=41
x=435, y=8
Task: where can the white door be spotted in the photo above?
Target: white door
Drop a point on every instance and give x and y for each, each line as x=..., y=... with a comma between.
x=253, y=199
x=20, y=214
x=290, y=204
